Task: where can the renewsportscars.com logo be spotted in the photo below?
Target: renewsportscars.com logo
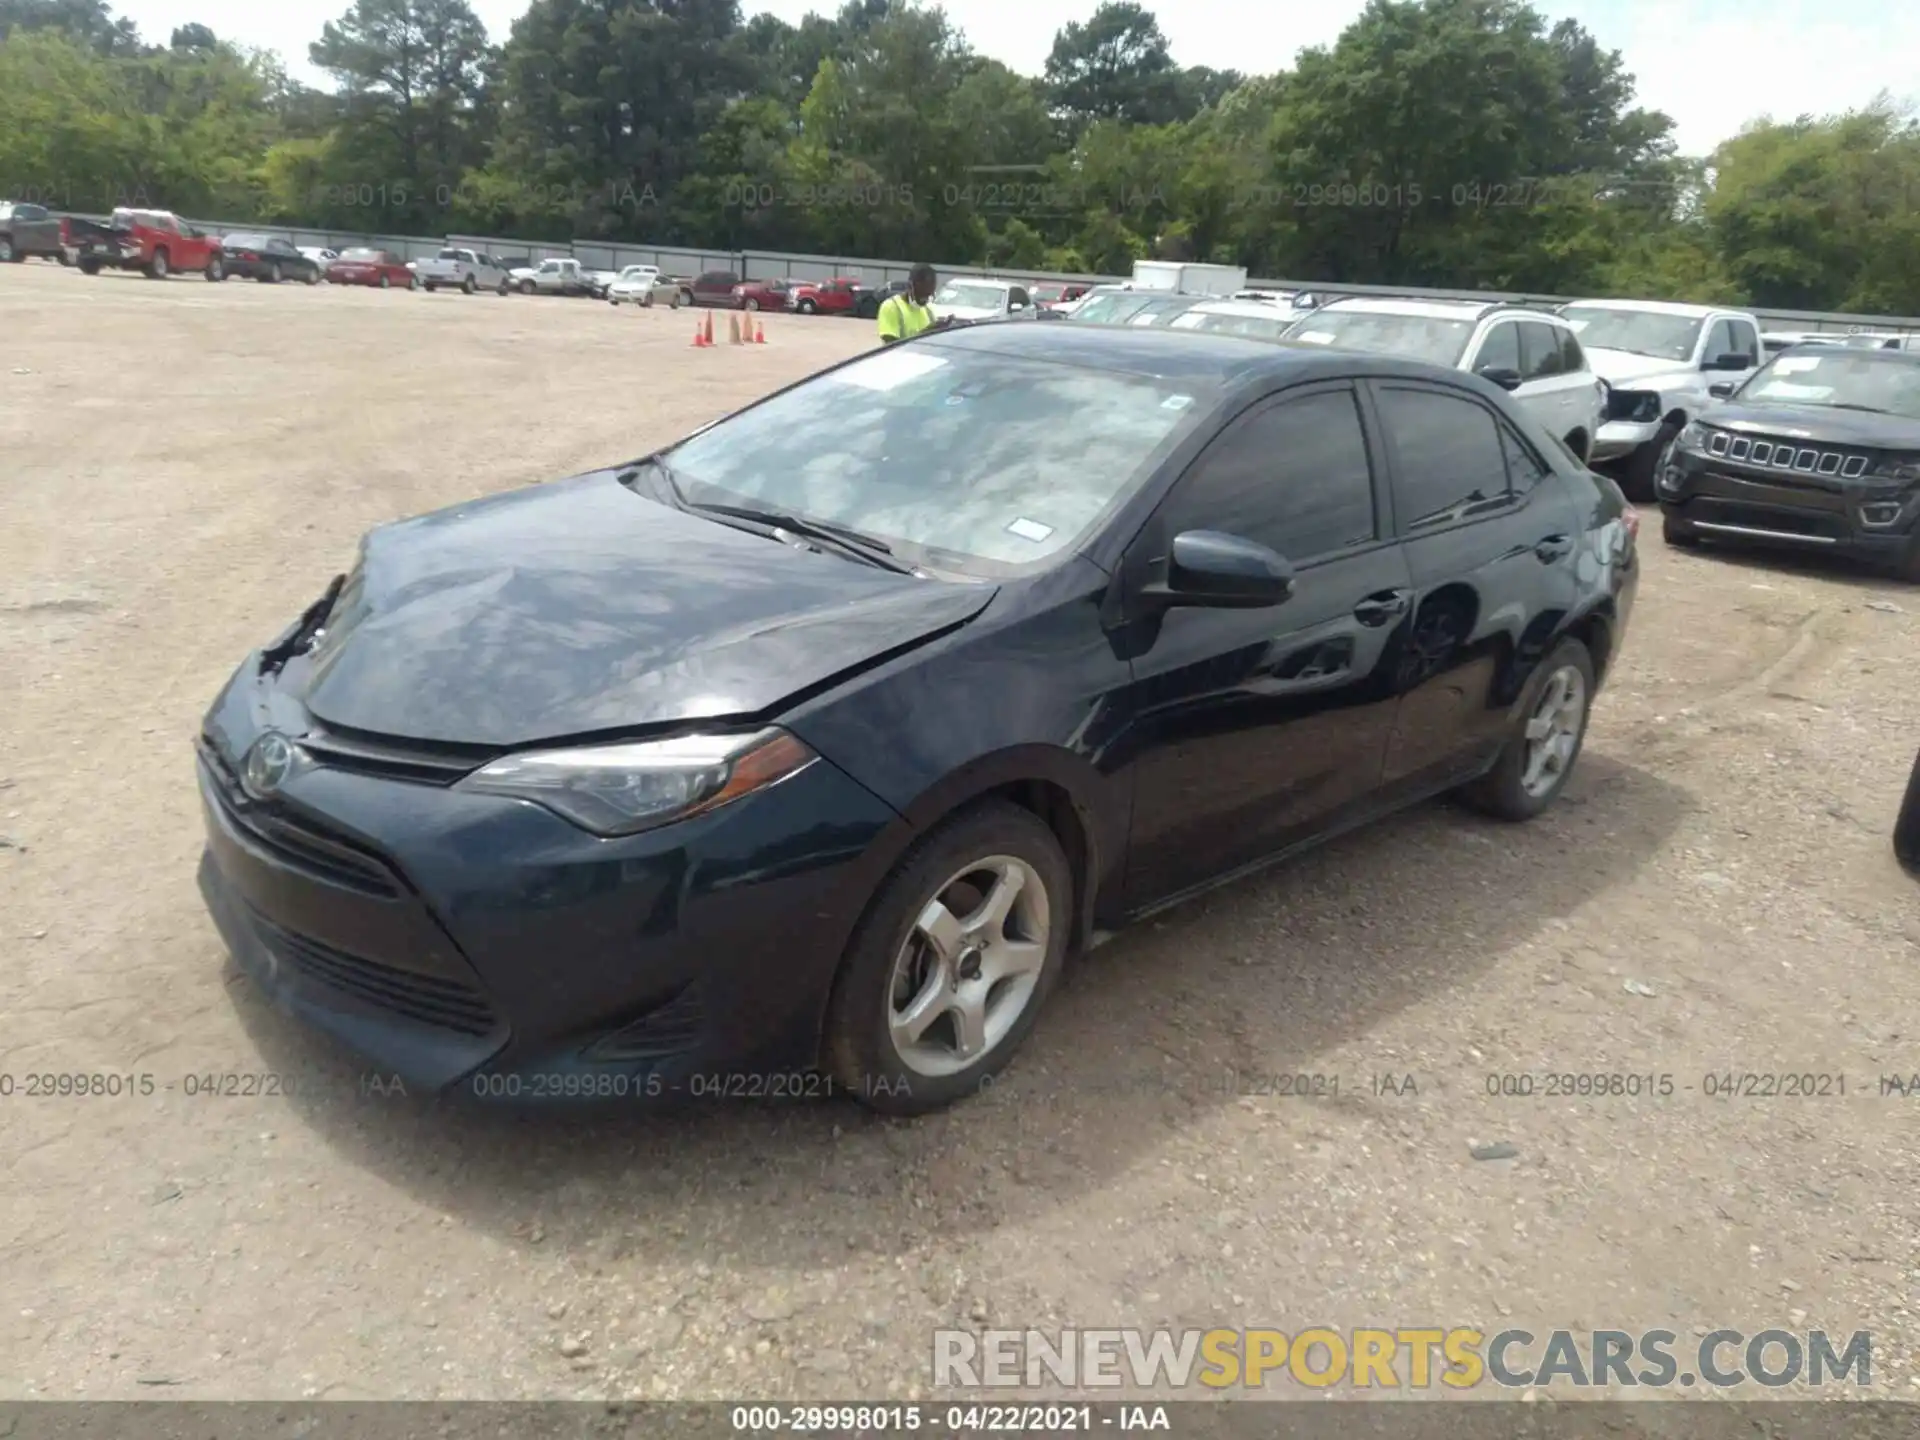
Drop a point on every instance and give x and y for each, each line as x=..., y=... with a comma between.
x=1402, y=1358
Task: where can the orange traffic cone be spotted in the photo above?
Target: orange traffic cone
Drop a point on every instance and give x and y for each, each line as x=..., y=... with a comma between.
x=709, y=339
x=699, y=340
x=759, y=333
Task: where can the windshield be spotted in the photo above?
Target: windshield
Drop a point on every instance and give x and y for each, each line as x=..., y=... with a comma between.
x=1841, y=378
x=1254, y=327
x=1160, y=310
x=245, y=242
x=944, y=453
x=1419, y=337
x=971, y=297
x=1638, y=332
x=638, y=272
x=1113, y=307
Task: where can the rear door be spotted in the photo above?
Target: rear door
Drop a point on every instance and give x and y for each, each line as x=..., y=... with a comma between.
x=1557, y=399
x=1255, y=729
x=1490, y=537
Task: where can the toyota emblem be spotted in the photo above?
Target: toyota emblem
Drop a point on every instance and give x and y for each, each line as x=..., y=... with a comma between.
x=269, y=763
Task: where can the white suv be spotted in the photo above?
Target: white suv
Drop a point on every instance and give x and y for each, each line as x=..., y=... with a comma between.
x=1534, y=354
x=1660, y=361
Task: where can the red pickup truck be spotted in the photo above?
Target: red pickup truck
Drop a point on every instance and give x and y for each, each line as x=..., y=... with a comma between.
x=155, y=242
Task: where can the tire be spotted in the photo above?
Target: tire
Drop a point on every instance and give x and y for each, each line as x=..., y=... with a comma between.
x=158, y=268
x=65, y=257
x=413, y=282
x=646, y=301
x=504, y=289
x=386, y=282
x=468, y=286
x=89, y=267
x=750, y=305
x=9, y=255
x=1579, y=446
x=432, y=289
x=273, y=273
x=526, y=287
x=1909, y=567
x=807, y=307
x=889, y=946
x=1677, y=532
x=681, y=297
x=216, y=270
x=1906, y=825
x=1643, y=465
x=1504, y=792
x=313, y=277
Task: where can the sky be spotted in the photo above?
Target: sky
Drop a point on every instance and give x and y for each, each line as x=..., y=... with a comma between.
x=1712, y=65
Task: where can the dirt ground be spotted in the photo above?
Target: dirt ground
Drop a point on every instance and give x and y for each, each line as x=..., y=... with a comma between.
x=182, y=468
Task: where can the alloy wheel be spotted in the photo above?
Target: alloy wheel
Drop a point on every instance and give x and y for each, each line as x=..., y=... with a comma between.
x=970, y=965
x=1553, y=733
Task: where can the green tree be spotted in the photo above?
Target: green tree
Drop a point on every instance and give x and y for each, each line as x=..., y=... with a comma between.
x=1114, y=66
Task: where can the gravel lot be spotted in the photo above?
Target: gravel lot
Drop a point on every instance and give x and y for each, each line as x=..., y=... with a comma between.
x=187, y=464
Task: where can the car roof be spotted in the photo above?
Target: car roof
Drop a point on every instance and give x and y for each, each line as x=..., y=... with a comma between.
x=1463, y=311
x=1658, y=307
x=1203, y=356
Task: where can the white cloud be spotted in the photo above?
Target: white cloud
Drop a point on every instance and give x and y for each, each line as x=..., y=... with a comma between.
x=1713, y=65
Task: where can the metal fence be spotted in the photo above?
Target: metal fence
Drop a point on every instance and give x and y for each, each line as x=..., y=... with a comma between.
x=770, y=265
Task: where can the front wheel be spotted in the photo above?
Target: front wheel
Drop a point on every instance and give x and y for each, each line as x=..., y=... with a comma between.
x=1644, y=465
x=8, y=255
x=1533, y=768
x=157, y=268
x=89, y=266
x=526, y=287
x=750, y=305
x=948, y=970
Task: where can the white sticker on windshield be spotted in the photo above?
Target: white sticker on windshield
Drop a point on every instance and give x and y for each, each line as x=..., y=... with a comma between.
x=1795, y=364
x=1030, y=529
x=887, y=371
x=1787, y=390
x=1316, y=337
x=1577, y=325
x=1176, y=402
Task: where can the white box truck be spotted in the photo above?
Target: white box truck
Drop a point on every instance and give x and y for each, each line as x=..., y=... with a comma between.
x=1184, y=279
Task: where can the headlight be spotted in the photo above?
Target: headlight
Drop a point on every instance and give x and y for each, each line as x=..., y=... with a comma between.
x=1640, y=407
x=1693, y=437
x=1899, y=467
x=623, y=789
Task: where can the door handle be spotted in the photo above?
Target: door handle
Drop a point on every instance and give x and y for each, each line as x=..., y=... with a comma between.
x=1382, y=606
x=1553, y=547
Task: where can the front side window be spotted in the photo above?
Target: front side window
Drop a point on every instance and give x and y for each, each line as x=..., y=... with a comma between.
x=1719, y=341
x=970, y=296
x=945, y=453
x=1539, y=351
x=1573, y=360
x=1293, y=475
x=1450, y=460
x=1746, y=341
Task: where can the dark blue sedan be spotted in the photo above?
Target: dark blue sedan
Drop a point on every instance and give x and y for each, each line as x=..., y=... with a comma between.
x=801, y=756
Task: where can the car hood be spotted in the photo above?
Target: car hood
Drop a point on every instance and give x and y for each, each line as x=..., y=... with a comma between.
x=970, y=312
x=581, y=607
x=1817, y=423
x=1620, y=368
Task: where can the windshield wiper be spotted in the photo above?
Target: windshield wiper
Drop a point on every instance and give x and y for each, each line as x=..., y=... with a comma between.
x=1844, y=405
x=847, y=541
x=843, y=539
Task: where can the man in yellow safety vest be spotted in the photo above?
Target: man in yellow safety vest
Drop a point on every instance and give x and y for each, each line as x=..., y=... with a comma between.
x=907, y=314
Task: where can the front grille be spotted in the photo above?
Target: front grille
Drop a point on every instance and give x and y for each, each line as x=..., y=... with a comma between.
x=1786, y=455
x=387, y=760
x=295, y=841
x=428, y=999
x=667, y=1030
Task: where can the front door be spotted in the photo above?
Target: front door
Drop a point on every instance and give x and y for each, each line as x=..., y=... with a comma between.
x=1252, y=729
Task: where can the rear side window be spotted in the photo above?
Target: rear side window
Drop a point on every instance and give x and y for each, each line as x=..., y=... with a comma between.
x=1539, y=351
x=1452, y=463
x=1524, y=468
x=1500, y=350
x=1292, y=475
x=1573, y=360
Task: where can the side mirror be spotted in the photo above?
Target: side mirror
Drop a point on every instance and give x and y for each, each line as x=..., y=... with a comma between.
x=1214, y=570
x=1506, y=379
x=1721, y=389
x=1728, y=361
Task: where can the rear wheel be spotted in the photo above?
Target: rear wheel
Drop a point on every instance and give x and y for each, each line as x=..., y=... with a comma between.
x=432, y=288
x=273, y=273
x=413, y=282
x=216, y=269
x=386, y=283
x=1678, y=532
x=9, y=255
x=949, y=968
x=1533, y=768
